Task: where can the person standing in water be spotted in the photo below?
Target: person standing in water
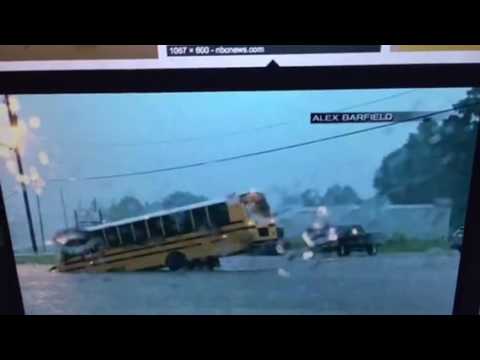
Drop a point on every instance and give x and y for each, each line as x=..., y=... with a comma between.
x=318, y=233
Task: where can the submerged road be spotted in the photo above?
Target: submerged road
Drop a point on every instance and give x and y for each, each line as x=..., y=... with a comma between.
x=421, y=283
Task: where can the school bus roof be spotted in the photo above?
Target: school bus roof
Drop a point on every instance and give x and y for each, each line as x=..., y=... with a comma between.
x=155, y=214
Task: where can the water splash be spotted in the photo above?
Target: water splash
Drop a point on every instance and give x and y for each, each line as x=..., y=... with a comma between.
x=43, y=158
x=307, y=255
x=283, y=273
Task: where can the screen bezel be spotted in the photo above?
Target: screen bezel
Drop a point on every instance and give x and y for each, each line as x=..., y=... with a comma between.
x=271, y=78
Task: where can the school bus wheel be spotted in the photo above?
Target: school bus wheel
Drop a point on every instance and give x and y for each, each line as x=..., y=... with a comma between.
x=212, y=262
x=176, y=260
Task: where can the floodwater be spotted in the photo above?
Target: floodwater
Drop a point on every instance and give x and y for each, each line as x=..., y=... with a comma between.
x=422, y=283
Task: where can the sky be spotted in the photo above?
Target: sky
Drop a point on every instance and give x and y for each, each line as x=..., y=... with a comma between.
x=103, y=134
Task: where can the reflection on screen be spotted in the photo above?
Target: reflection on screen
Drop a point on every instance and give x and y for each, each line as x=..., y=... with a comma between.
x=278, y=202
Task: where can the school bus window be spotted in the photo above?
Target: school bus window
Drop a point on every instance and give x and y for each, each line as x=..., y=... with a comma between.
x=155, y=226
x=170, y=225
x=200, y=219
x=184, y=222
x=126, y=234
x=140, y=229
x=219, y=215
x=112, y=237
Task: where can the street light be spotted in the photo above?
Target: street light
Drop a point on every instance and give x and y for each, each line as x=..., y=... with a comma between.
x=13, y=118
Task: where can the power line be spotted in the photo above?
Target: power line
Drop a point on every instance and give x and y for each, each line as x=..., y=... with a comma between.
x=371, y=103
x=377, y=100
x=238, y=132
x=263, y=152
x=270, y=126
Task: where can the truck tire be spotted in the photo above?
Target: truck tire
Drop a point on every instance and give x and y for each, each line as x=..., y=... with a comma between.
x=341, y=250
x=176, y=261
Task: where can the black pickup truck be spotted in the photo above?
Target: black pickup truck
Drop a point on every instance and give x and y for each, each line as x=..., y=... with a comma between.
x=343, y=240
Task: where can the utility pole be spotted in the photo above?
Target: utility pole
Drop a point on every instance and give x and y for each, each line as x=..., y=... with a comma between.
x=40, y=219
x=64, y=207
x=77, y=221
x=14, y=124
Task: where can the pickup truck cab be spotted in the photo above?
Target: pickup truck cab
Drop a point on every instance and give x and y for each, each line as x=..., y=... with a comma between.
x=341, y=239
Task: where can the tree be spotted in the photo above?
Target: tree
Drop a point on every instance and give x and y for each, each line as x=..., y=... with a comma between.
x=284, y=197
x=436, y=162
x=128, y=206
x=350, y=196
x=338, y=195
x=311, y=197
x=181, y=198
x=153, y=206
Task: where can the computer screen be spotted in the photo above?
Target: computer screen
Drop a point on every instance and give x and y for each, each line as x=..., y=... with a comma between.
x=239, y=202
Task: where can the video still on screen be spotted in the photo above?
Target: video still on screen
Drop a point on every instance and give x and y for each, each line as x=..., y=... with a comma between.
x=259, y=202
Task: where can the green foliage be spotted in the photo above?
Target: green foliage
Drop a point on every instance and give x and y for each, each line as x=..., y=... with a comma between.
x=402, y=243
x=128, y=206
x=335, y=195
x=435, y=162
x=311, y=197
x=181, y=198
x=153, y=206
x=36, y=259
x=338, y=195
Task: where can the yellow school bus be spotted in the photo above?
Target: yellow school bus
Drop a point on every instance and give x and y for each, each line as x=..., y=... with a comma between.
x=187, y=237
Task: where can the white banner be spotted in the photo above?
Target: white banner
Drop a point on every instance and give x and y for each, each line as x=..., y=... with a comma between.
x=96, y=57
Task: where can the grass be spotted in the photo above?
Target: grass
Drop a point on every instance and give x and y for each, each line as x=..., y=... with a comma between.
x=402, y=243
x=36, y=259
